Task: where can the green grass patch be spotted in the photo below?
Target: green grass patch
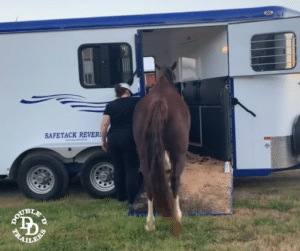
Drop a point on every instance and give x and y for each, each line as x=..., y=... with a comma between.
x=248, y=203
x=104, y=225
x=264, y=221
x=281, y=206
x=260, y=221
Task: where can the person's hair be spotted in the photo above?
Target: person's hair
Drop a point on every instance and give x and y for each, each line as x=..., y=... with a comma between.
x=120, y=91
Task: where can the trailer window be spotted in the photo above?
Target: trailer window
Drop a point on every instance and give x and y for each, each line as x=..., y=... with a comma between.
x=104, y=65
x=272, y=52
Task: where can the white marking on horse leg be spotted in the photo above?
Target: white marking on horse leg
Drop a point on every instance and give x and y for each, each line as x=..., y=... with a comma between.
x=167, y=161
x=178, y=211
x=150, y=217
x=167, y=164
x=177, y=227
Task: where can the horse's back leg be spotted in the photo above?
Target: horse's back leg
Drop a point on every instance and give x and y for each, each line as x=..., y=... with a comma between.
x=178, y=210
x=150, y=217
x=177, y=215
x=176, y=222
x=167, y=162
x=178, y=162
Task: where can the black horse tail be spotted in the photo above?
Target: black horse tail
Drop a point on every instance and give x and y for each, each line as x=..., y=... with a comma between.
x=154, y=171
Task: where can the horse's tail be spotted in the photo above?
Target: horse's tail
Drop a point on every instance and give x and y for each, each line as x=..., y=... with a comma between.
x=154, y=171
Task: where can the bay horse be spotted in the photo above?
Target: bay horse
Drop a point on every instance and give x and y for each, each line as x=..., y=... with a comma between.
x=161, y=127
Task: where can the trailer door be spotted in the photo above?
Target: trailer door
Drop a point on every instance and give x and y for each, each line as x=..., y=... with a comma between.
x=264, y=47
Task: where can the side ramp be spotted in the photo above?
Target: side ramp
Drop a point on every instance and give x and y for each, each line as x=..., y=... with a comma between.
x=206, y=189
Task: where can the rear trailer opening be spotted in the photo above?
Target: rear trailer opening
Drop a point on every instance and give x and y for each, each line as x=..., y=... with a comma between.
x=202, y=79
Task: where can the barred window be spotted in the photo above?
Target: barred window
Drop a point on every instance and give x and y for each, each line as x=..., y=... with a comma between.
x=272, y=52
x=104, y=65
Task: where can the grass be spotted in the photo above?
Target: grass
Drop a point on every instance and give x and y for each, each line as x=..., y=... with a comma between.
x=261, y=221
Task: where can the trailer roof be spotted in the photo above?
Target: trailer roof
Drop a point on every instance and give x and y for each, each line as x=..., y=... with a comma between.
x=269, y=12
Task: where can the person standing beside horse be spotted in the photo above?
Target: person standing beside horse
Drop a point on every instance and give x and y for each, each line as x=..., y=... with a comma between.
x=119, y=143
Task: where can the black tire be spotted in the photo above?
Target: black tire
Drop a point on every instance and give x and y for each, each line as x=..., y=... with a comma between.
x=97, y=177
x=296, y=135
x=42, y=177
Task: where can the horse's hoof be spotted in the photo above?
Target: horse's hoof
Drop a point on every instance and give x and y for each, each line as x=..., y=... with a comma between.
x=177, y=229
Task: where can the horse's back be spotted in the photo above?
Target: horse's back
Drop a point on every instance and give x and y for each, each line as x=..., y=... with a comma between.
x=178, y=122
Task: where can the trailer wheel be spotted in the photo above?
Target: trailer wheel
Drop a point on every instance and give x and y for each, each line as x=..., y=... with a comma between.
x=42, y=177
x=97, y=177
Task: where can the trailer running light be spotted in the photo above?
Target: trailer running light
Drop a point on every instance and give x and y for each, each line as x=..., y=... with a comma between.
x=268, y=13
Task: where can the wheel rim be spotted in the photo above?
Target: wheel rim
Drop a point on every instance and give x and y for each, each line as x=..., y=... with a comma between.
x=102, y=177
x=40, y=179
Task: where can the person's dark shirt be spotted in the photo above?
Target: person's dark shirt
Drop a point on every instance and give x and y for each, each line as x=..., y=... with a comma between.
x=121, y=112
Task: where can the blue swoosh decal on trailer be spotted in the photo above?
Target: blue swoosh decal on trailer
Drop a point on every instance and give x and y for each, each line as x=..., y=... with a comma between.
x=75, y=101
x=34, y=102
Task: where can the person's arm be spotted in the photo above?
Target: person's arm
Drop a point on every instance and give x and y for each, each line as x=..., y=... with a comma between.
x=103, y=130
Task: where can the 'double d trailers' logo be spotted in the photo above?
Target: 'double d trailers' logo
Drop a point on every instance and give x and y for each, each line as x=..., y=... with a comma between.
x=29, y=225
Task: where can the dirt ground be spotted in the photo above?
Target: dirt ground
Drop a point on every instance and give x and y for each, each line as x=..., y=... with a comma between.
x=205, y=188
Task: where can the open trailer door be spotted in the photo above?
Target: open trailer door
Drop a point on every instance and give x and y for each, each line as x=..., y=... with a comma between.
x=264, y=47
x=264, y=66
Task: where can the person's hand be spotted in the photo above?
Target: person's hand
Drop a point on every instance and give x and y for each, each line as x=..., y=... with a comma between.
x=104, y=146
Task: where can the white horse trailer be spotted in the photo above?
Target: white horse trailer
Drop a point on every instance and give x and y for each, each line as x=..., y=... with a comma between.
x=237, y=71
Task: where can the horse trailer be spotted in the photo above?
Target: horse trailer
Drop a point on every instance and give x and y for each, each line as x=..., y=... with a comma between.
x=237, y=71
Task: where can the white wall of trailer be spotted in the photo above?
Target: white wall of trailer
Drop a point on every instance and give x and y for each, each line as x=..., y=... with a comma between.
x=43, y=64
x=205, y=45
x=199, y=50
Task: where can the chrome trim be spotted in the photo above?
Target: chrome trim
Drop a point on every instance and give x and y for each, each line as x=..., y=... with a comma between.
x=282, y=154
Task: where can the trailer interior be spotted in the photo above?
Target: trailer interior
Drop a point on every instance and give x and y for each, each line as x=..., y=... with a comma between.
x=201, y=78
